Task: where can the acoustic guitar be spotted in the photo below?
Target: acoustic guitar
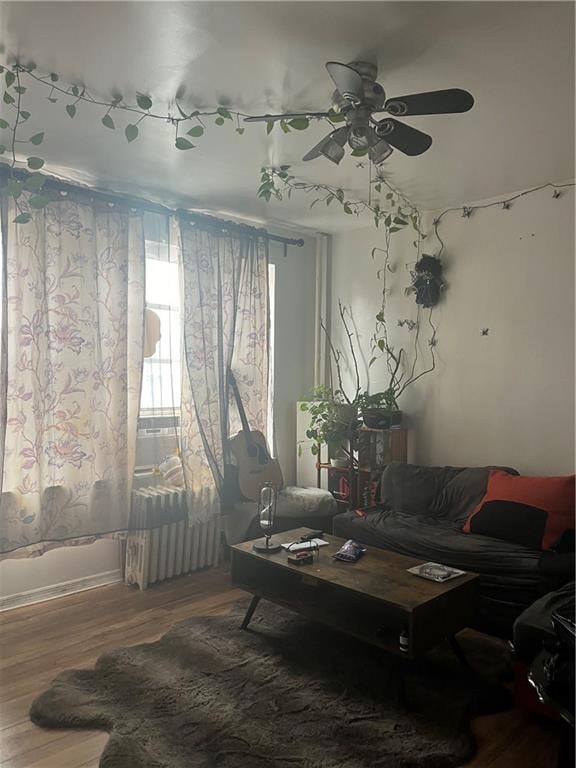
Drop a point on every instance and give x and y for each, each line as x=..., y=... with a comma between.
x=254, y=465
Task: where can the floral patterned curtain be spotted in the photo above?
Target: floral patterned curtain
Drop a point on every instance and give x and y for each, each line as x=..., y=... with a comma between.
x=225, y=323
x=73, y=333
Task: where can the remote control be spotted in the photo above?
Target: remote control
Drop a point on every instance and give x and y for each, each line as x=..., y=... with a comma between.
x=312, y=535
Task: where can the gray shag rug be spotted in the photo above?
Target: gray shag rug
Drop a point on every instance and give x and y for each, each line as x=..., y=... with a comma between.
x=287, y=693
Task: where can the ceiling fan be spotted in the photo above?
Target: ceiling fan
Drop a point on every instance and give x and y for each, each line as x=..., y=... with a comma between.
x=358, y=97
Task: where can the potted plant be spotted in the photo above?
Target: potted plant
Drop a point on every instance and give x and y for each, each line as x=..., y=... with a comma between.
x=380, y=410
x=333, y=420
x=334, y=413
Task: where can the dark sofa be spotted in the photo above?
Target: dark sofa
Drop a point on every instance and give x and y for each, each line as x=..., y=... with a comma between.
x=423, y=512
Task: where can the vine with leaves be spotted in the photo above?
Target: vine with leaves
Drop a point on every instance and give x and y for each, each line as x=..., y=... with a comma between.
x=467, y=211
x=395, y=211
x=186, y=124
x=389, y=208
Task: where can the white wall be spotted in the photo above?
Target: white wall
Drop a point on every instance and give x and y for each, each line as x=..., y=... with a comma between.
x=97, y=563
x=294, y=375
x=505, y=398
x=294, y=344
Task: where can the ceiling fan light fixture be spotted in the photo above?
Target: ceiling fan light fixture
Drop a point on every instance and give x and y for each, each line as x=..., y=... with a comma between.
x=358, y=138
x=332, y=151
x=379, y=152
x=331, y=147
x=378, y=148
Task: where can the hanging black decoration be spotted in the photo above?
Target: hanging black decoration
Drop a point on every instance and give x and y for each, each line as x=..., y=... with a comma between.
x=427, y=281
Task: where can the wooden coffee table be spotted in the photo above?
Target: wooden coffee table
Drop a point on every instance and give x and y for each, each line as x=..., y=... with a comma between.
x=374, y=599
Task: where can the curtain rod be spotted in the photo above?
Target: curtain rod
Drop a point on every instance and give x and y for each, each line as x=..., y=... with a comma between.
x=146, y=205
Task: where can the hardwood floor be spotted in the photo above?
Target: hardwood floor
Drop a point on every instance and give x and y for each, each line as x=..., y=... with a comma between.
x=37, y=642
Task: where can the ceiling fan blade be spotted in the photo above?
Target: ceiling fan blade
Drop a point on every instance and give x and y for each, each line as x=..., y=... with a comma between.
x=347, y=81
x=405, y=138
x=286, y=116
x=430, y=103
x=331, y=146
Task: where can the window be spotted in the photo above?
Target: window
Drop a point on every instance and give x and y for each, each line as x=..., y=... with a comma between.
x=271, y=348
x=161, y=372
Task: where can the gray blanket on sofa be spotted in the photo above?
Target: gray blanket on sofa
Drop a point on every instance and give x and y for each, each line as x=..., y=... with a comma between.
x=424, y=510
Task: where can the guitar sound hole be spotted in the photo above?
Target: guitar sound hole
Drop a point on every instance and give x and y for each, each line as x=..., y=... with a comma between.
x=262, y=456
x=258, y=453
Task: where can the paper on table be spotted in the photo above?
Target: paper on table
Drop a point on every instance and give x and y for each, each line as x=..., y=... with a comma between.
x=302, y=546
x=436, y=571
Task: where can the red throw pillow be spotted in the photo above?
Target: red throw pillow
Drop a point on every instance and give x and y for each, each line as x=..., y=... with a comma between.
x=534, y=511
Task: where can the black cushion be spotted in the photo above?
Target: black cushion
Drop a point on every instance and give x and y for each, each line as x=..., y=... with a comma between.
x=511, y=521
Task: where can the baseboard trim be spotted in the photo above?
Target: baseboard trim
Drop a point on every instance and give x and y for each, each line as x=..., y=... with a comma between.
x=53, y=591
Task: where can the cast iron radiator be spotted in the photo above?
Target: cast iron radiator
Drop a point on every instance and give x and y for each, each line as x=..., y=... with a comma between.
x=162, y=543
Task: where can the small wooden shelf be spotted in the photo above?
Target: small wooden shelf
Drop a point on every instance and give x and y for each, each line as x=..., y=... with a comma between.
x=364, y=428
x=329, y=466
x=372, y=449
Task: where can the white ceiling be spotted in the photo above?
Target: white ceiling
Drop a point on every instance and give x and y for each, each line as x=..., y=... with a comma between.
x=516, y=58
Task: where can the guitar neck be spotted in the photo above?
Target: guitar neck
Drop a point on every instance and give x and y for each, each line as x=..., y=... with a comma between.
x=241, y=411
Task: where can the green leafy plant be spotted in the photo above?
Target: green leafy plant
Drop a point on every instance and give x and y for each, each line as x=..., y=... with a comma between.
x=332, y=419
x=391, y=209
x=392, y=212
x=387, y=206
x=385, y=400
x=75, y=96
x=334, y=412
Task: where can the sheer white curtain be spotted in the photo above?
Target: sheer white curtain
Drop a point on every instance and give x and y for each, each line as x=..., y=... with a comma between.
x=225, y=323
x=73, y=331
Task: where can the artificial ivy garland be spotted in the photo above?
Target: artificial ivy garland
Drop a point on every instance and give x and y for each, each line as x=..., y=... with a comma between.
x=395, y=213
x=186, y=125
